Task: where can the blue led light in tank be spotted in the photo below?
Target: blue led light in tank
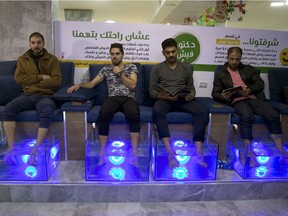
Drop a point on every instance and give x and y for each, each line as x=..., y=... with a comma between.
x=32, y=143
x=261, y=171
x=116, y=160
x=25, y=158
x=179, y=143
x=53, y=152
x=182, y=159
x=31, y=171
x=180, y=173
x=118, y=144
x=117, y=173
x=263, y=159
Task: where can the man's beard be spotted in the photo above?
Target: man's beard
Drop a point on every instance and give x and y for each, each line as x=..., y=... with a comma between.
x=233, y=67
x=116, y=62
x=37, y=52
x=172, y=59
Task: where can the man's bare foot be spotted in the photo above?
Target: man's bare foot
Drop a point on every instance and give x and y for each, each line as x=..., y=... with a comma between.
x=200, y=159
x=33, y=156
x=280, y=147
x=102, y=156
x=134, y=158
x=9, y=156
x=252, y=159
x=172, y=161
x=102, y=159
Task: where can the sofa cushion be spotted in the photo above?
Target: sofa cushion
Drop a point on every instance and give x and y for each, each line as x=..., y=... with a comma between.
x=33, y=115
x=256, y=119
x=81, y=95
x=9, y=89
x=119, y=117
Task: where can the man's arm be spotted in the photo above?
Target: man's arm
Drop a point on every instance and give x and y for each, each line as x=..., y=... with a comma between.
x=97, y=79
x=218, y=93
x=131, y=81
x=24, y=77
x=54, y=79
x=254, y=81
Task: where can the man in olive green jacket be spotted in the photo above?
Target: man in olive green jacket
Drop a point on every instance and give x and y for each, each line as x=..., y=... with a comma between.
x=39, y=74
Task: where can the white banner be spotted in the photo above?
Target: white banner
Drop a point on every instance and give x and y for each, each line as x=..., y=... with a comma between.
x=142, y=43
x=204, y=47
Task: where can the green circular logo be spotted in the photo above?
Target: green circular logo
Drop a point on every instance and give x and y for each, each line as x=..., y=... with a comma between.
x=188, y=47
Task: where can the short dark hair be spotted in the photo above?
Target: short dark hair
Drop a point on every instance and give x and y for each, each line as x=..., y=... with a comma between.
x=37, y=34
x=169, y=42
x=235, y=49
x=117, y=45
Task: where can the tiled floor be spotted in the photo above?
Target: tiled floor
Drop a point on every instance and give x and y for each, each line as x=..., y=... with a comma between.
x=221, y=208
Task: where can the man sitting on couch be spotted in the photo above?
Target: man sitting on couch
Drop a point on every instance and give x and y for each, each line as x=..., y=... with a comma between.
x=39, y=74
x=121, y=80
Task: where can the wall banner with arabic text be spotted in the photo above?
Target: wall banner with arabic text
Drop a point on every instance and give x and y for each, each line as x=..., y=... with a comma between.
x=204, y=47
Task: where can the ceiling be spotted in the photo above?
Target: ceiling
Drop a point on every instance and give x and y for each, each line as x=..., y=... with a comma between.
x=259, y=15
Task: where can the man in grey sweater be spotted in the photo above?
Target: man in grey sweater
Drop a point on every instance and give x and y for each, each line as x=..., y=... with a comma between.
x=173, y=75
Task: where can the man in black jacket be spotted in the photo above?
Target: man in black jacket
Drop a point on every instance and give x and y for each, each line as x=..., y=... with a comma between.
x=248, y=101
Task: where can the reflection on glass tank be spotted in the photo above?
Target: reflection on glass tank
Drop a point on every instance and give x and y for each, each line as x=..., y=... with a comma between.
x=267, y=163
x=118, y=164
x=190, y=166
x=16, y=166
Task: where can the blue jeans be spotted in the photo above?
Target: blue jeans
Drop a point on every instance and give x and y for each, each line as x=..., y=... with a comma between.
x=114, y=104
x=245, y=110
x=43, y=104
x=199, y=112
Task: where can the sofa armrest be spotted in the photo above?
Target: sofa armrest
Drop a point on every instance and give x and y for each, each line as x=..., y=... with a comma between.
x=77, y=106
x=280, y=107
x=215, y=107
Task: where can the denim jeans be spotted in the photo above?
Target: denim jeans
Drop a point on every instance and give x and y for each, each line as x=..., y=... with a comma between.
x=199, y=112
x=114, y=104
x=43, y=104
x=245, y=110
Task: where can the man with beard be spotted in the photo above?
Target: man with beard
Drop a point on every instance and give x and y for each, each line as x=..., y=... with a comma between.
x=121, y=80
x=173, y=75
x=250, y=100
x=38, y=72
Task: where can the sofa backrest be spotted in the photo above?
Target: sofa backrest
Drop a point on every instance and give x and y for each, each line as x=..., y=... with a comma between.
x=147, y=100
x=278, y=80
x=9, y=88
x=8, y=67
x=67, y=71
x=102, y=90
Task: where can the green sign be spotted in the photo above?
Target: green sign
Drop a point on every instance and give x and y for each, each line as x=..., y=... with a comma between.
x=188, y=47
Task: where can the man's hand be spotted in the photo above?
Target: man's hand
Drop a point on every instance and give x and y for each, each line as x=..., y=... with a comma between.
x=116, y=70
x=245, y=92
x=46, y=77
x=166, y=96
x=73, y=88
x=190, y=97
x=226, y=95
